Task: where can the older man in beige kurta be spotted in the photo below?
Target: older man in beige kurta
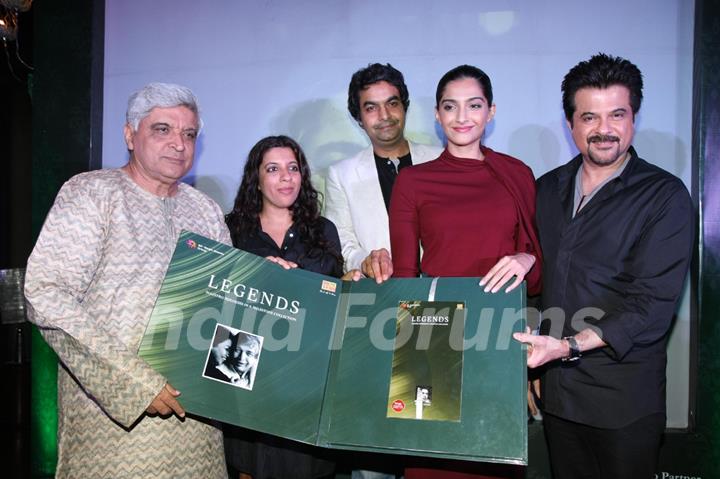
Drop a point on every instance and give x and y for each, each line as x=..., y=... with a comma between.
x=91, y=284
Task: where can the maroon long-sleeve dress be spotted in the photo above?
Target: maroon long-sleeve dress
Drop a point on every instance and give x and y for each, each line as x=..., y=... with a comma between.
x=466, y=214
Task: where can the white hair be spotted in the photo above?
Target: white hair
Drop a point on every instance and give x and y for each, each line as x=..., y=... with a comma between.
x=163, y=95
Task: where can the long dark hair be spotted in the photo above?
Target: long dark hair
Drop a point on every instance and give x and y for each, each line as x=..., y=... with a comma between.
x=244, y=219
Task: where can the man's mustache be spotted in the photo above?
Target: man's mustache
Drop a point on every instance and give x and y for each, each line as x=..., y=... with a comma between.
x=385, y=124
x=602, y=138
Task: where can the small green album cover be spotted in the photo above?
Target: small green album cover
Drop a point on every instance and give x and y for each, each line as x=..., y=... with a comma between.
x=426, y=379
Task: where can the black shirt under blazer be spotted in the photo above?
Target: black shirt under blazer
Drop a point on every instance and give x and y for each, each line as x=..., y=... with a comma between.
x=625, y=253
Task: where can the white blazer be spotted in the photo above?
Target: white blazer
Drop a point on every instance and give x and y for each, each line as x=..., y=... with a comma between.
x=354, y=202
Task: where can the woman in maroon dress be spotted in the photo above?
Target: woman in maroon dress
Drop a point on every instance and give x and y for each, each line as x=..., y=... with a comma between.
x=472, y=210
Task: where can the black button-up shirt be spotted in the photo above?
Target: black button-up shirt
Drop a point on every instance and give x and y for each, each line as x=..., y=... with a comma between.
x=618, y=266
x=293, y=249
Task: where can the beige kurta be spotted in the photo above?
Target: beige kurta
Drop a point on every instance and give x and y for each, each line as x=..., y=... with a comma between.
x=91, y=283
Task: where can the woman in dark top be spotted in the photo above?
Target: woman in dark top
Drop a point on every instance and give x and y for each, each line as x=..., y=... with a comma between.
x=277, y=215
x=277, y=210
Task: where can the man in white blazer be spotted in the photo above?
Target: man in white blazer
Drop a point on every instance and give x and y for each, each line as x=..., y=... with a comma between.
x=357, y=190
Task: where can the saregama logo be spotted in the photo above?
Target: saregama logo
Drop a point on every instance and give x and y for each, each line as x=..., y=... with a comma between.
x=192, y=244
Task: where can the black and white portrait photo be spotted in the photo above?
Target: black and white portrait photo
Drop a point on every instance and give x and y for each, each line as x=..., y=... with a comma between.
x=233, y=357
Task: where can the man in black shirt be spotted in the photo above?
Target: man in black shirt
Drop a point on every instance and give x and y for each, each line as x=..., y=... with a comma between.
x=616, y=233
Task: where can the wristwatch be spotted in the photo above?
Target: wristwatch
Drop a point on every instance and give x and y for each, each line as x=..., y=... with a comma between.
x=574, y=349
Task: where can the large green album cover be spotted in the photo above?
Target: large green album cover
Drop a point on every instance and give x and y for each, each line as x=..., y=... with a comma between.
x=422, y=366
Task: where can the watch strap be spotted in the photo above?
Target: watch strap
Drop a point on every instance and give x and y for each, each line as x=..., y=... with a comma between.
x=574, y=349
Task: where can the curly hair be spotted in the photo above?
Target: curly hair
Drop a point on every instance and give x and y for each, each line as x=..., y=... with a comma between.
x=244, y=219
x=374, y=73
x=602, y=71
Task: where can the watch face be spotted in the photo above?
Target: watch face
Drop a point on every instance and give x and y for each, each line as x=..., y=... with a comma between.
x=574, y=349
